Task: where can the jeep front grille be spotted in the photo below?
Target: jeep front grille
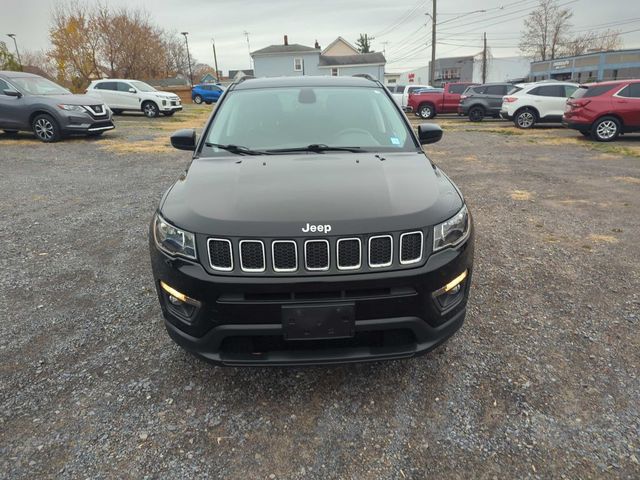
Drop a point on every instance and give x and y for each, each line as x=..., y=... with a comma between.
x=380, y=251
x=316, y=255
x=252, y=256
x=220, y=256
x=330, y=255
x=411, y=245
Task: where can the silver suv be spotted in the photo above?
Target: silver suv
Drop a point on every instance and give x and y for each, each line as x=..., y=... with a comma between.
x=32, y=103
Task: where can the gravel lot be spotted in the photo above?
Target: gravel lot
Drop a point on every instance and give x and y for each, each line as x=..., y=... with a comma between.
x=541, y=382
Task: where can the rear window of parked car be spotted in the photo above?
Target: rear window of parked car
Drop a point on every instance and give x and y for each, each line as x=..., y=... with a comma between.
x=457, y=88
x=587, y=92
x=631, y=91
x=496, y=90
x=106, y=86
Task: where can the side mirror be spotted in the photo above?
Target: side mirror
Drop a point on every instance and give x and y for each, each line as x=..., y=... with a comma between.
x=184, y=139
x=132, y=90
x=12, y=93
x=429, y=133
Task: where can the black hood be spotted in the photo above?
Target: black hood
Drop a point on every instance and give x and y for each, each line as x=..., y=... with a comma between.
x=273, y=196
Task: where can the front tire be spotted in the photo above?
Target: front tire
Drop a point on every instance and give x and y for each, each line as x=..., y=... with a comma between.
x=46, y=128
x=476, y=114
x=606, y=129
x=150, y=109
x=426, y=111
x=525, y=119
x=197, y=99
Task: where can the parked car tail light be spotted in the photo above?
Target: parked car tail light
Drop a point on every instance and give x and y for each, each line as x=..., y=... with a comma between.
x=578, y=103
x=509, y=99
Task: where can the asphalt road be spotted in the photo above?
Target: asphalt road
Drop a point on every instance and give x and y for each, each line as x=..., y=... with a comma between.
x=541, y=382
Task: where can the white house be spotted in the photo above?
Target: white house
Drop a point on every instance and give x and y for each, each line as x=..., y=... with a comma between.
x=339, y=58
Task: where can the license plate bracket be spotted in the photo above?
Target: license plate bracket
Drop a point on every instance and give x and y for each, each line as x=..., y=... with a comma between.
x=318, y=322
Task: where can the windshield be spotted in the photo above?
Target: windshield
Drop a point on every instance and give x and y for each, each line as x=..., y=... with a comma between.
x=295, y=117
x=142, y=87
x=38, y=86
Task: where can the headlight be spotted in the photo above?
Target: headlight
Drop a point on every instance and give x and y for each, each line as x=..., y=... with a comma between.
x=173, y=240
x=452, y=231
x=71, y=108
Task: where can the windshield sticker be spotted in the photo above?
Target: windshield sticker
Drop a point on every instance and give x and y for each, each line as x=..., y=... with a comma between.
x=395, y=140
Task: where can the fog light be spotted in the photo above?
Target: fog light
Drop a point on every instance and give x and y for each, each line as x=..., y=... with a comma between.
x=176, y=298
x=453, y=286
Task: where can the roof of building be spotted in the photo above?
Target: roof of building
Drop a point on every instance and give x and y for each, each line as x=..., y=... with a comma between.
x=247, y=71
x=306, y=81
x=340, y=40
x=291, y=48
x=178, y=80
x=359, y=59
x=588, y=54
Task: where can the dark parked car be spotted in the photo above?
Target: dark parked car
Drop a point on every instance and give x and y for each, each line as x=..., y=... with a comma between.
x=342, y=242
x=605, y=110
x=33, y=103
x=206, y=92
x=484, y=100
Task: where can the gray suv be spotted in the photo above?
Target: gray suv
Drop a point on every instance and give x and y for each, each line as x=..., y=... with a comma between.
x=484, y=100
x=33, y=103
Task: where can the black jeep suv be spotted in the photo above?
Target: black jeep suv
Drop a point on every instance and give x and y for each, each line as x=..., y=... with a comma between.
x=484, y=100
x=310, y=228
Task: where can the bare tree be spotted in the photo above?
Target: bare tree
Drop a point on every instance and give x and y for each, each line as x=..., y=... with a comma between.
x=545, y=30
x=592, y=41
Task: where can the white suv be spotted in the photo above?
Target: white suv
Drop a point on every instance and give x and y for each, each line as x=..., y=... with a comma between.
x=400, y=93
x=537, y=102
x=134, y=95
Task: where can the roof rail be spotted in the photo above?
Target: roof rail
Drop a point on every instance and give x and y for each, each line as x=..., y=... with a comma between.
x=365, y=75
x=239, y=81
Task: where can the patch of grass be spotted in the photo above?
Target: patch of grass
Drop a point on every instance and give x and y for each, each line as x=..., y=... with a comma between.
x=521, y=195
x=632, y=180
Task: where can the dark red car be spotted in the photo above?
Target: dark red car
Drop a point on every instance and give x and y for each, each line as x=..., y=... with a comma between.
x=428, y=104
x=604, y=110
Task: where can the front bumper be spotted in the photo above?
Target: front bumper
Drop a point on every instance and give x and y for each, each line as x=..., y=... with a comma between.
x=83, y=123
x=240, y=321
x=170, y=106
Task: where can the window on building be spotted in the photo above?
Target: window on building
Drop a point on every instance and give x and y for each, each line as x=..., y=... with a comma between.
x=631, y=91
x=297, y=64
x=334, y=72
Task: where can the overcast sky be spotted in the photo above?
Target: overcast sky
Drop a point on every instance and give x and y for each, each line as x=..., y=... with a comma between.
x=401, y=23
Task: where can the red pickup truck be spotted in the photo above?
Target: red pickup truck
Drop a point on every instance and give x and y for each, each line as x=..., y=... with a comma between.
x=429, y=104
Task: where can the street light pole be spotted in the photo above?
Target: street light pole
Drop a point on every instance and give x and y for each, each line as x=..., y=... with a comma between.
x=215, y=59
x=188, y=56
x=246, y=34
x=432, y=69
x=15, y=43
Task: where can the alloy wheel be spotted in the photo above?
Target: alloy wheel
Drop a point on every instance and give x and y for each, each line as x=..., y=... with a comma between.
x=607, y=129
x=44, y=129
x=197, y=99
x=425, y=112
x=150, y=110
x=525, y=120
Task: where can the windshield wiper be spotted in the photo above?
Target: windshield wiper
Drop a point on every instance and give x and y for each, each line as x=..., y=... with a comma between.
x=317, y=148
x=237, y=149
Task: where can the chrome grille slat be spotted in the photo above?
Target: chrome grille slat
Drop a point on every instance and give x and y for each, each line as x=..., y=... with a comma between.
x=252, y=257
x=349, y=253
x=284, y=255
x=316, y=255
x=411, y=247
x=220, y=254
x=380, y=251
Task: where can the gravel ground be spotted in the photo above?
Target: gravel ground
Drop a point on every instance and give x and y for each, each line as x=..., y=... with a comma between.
x=541, y=382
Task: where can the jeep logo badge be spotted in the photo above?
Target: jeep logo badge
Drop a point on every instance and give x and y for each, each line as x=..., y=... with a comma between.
x=316, y=228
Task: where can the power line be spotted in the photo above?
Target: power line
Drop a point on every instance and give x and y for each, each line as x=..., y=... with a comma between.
x=403, y=18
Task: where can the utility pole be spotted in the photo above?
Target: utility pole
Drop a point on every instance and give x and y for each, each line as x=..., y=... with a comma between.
x=384, y=48
x=432, y=69
x=188, y=56
x=215, y=59
x=15, y=43
x=484, y=59
x=246, y=34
